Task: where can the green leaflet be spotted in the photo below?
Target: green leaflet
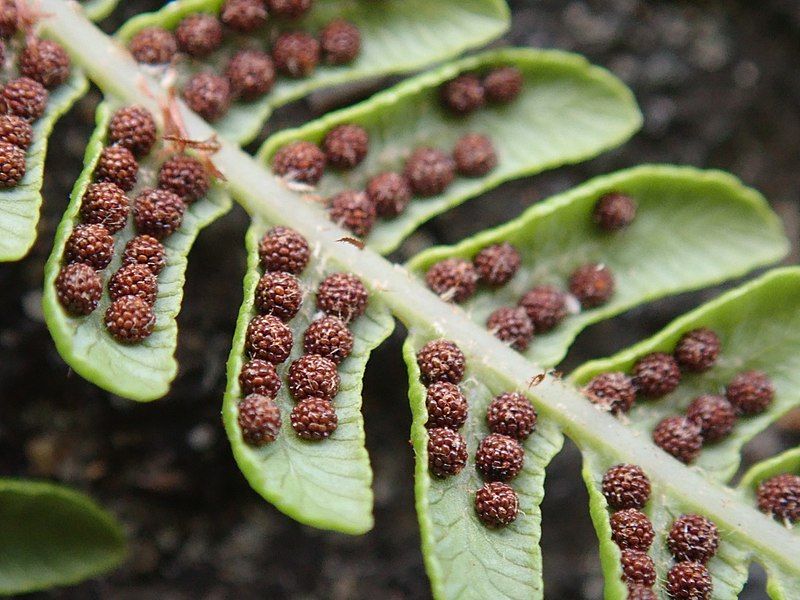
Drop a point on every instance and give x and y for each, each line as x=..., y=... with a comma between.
x=143, y=371
x=568, y=111
x=693, y=228
x=464, y=558
x=396, y=37
x=99, y=9
x=324, y=483
x=53, y=536
x=19, y=206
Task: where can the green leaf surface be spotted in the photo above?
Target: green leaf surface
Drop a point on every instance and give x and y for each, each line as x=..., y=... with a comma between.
x=568, y=111
x=323, y=483
x=463, y=557
x=143, y=371
x=19, y=206
x=52, y=536
x=396, y=37
x=99, y=9
x=693, y=228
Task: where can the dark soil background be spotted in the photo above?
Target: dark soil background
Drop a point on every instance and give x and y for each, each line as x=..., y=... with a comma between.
x=719, y=85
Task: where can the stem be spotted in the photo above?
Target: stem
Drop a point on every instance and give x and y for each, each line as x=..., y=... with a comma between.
x=264, y=196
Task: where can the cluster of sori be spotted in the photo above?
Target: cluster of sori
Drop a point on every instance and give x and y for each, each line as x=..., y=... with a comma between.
x=251, y=71
x=33, y=66
x=500, y=455
x=105, y=208
x=779, y=496
x=313, y=379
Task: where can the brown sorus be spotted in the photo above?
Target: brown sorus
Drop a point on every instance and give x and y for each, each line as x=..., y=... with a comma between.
x=130, y=319
x=463, y=95
x=208, y=94
x=91, y=245
x=289, y=9
x=44, y=61
x=447, y=452
x=314, y=419
x=185, y=176
x=118, y=165
x=158, y=212
x=592, y=284
x=278, y=293
x=750, y=392
x=512, y=326
x=145, y=250
x=546, y=307
x=251, y=74
x=268, y=338
x=259, y=419
x=499, y=457
x=474, y=155
x=511, y=414
x=446, y=405
x=626, y=486
x=12, y=165
x=9, y=18
x=78, y=288
x=656, y=374
x=283, y=249
x=631, y=529
x=199, y=34
x=441, y=360
x=134, y=280
x=453, y=279
x=105, y=204
x=134, y=128
x=694, y=538
x=353, y=211
x=637, y=567
x=779, y=496
x=25, y=98
x=300, y=161
x=390, y=193
x=340, y=41
x=679, y=437
x=342, y=295
x=429, y=171
x=329, y=337
x=689, y=581
x=16, y=130
x=346, y=145
x=259, y=377
x=496, y=504
x=697, y=350
x=244, y=16
x=296, y=54
x=313, y=376
x=612, y=391
x=503, y=85
x=714, y=414
x=639, y=591
x=153, y=46
x=614, y=211
x=497, y=264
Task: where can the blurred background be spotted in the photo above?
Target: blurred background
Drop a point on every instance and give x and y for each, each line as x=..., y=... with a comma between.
x=719, y=87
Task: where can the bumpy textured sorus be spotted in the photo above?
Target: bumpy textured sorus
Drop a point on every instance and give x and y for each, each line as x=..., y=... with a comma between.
x=289, y=9
x=158, y=212
x=463, y=95
x=390, y=193
x=300, y=161
x=689, y=581
x=474, y=155
x=244, y=16
x=694, y=538
x=546, y=307
x=208, y=94
x=251, y=73
x=614, y=211
x=639, y=591
x=153, y=46
x=279, y=294
x=12, y=165
x=268, y=338
x=184, y=176
x=134, y=128
x=613, y=391
x=340, y=41
x=329, y=337
x=283, y=249
x=105, y=204
x=656, y=374
x=346, y=145
x=446, y=405
x=199, y=35
x=259, y=377
x=314, y=419
x=447, y=452
x=638, y=567
x=592, y=284
x=779, y=496
x=441, y=360
x=630, y=528
x=512, y=326
x=496, y=504
x=626, y=486
x=503, y=85
x=117, y=165
x=454, y=279
x=145, y=250
x=714, y=414
x=697, y=350
x=130, y=319
x=342, y=295
x=44, y=61
x=9, y=18
x=259, y=419
x=313, y=376
x=429, y=171
x=353, y=211
x=497, y=264
x=91, y=245
x=134, y=280
x=511, y=414
x=296, y=54
x=15, y=130
x=25, y=98
x=750, y=392
x=499, y=457
x=78, y=288
x=679, y=437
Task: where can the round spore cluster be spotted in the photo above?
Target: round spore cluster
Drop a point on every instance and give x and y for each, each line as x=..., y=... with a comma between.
x=693, y=538
x=613, y=392
x=470, y=92
x=626, y=486
x=779, y=496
